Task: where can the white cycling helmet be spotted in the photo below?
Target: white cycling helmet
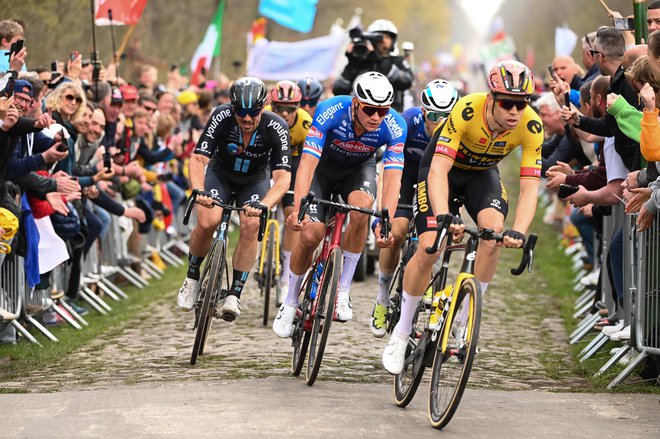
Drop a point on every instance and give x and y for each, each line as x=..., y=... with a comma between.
x=373, y=88
x=439, y=95
x=386, y=26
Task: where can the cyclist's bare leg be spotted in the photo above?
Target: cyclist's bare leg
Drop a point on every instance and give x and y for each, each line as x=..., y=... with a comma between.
x=389, y=257
x=415, y=280
x=201, y=236
x=246, y=248
x=488, y=253
x=289, y=242
x=301, y=257
x=355, y=238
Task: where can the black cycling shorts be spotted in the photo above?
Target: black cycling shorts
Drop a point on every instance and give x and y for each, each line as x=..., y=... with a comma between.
x=329, y=178
x=406, y=194
x=247, y=187
x=287, y=200
x=480, y=189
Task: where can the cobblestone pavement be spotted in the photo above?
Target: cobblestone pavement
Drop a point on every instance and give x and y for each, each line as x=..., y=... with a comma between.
x=520, y=327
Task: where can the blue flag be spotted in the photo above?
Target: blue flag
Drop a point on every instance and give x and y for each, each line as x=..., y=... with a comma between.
x=294, y=14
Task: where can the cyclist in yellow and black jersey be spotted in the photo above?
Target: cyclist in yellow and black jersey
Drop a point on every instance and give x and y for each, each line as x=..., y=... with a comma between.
x=462, y=161
x=285, y=98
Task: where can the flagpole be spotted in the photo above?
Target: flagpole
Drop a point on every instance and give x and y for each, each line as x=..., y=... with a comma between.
x=95, y=68
x=115, y=59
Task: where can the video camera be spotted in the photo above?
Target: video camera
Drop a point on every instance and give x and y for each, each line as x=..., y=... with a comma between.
x=359, y=38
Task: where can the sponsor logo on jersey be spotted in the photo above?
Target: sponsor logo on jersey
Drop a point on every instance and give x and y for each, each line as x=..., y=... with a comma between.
x=417, y=120
x=431, y=222
x=422, y=197
x=395, y=129
x=468, y=112
x=215, y=121
x=306, y=124
x=444, y=139
x=534, y=127
x=539, y=162
x=397, y=149
x=327, y=114
x=444, y=150
x=530, y=172
x=282, y=132
x=483, y=140
x=233, y=148
x=496, y=204
x=313, y=132
x=500, y=143
x=204, y=145
x=355, y=147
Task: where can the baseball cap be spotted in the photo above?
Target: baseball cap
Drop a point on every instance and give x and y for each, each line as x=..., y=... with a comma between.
x=23, y=86
x=116, y=97
x=129, y=92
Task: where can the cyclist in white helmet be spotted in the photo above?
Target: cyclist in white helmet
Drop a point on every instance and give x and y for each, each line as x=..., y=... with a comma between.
x=339, y=153
x=438, y=98
x=374, y=50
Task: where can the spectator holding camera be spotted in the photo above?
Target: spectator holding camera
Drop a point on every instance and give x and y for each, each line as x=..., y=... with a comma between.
x=373, y=51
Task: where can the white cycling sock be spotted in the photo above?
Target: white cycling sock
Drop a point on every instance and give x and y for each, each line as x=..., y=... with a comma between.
x=350, y=262
x=294, y=286
x=408, y=308
x=484, y=287
x=384, y=288
x=286, y=260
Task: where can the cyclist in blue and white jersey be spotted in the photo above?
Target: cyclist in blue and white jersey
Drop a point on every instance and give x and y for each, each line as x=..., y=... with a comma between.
x=339, y=152
x=438, y=98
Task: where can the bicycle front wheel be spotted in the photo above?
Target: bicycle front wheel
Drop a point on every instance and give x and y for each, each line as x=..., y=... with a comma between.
x=269, y=269
x=300, y=336
x=451, y=369
x=209, y=283
x=323, y=314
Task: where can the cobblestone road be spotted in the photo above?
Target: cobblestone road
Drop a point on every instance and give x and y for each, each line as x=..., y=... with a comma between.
x=520, y=327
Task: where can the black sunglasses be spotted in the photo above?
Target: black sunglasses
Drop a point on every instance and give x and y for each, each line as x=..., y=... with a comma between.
x=370, y=111
x=508, y=104
x=72, y=98
x=309, y=102
x=284, y=108
x=435, y=116
x=593, y=52
x=252, y=112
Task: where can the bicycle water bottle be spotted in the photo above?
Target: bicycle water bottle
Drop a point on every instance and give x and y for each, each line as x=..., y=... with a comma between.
x=439, y=300
x=315, y=281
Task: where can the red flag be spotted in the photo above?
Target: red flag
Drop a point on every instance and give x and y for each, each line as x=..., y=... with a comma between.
x=124, y=12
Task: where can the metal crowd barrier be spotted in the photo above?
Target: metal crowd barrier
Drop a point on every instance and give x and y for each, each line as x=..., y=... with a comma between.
x=645, y=301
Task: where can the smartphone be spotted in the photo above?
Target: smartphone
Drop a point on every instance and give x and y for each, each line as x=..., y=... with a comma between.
x=107, y=161
x=551, y=71
x=73, y=55
x=567, y=99
x=566, y=190
x=624, y=23
x=16, y=47
x=53, y=66
x=63, y=146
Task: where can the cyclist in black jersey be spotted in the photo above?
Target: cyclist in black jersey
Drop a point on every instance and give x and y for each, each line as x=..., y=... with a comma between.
x=240, y=144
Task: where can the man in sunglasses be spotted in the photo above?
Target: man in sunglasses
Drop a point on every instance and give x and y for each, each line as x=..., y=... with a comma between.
x=285, y=98
x=239, y=146
x=339, y=153
x=481, y=130
x=438, y=98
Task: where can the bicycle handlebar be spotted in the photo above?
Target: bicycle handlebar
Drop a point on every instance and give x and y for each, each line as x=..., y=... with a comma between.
x=311, y=199
x=487, y=235
x=263, y=216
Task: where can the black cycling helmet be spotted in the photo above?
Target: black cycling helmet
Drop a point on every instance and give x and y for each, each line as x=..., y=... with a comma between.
x=311, y=88
x=248, y=92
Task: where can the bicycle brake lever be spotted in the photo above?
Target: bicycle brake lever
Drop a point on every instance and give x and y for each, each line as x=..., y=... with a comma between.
x=527, y=257
x=263, y=219
x=304, y=204
x=443, y=227
x=385, y=223
x=189, y=206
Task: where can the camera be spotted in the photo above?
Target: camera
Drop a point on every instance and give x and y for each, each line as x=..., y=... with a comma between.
x=360, y=38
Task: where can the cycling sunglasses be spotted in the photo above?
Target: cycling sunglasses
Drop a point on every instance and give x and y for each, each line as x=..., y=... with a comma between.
x=435, y=116
x=284, y=108
x=309, y=102
x=369, y=111
x=508, y=104
x=252, y=112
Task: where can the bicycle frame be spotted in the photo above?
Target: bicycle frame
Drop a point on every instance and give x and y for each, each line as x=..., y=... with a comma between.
x=264, y=242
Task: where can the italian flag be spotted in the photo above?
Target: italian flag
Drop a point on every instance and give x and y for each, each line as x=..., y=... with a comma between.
x=210, y=45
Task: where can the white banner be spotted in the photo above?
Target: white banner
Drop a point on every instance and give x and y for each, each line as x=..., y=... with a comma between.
x=565, y=40
x=274, y=60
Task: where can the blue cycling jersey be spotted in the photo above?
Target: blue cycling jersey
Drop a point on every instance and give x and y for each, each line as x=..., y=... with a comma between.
x=417, y=140
x=332, y=138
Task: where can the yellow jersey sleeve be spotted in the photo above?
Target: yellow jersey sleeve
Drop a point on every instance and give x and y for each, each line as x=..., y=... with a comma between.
x=531, y=140
x=453, y=129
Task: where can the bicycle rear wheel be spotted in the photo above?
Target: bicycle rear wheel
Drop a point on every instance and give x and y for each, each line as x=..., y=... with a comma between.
x=451, y=370
x=209, y=282
x=407, y=382
x=269, y=270
x=300, y=336
x=323, y=314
